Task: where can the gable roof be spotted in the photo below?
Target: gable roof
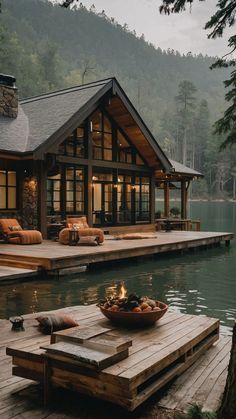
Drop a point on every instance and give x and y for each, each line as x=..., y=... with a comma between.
x=181, y=169
x=47, y=114
x=42, y=116
x=45, y=121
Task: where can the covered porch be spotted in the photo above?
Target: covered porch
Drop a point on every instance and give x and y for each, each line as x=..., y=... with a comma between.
x=178, y=180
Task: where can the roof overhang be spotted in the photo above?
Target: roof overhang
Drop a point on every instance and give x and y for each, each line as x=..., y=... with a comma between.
x=48, y=146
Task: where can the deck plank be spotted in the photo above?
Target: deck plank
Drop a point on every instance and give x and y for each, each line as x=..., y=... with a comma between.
x=203, y=383
x=12, y=404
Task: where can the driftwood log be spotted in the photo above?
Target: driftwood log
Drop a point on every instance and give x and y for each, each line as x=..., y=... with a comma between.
x=228, y=405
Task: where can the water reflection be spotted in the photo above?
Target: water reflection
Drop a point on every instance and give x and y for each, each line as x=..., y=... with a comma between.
x=201, y=283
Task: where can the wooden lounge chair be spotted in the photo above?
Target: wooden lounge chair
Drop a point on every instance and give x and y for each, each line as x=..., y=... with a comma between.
x=82, y=226
x=14, y=234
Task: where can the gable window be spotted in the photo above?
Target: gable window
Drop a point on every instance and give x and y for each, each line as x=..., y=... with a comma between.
x=74, y=145
x=7, y=189
x=126, y=153
x=124, y=149
x=101, y=137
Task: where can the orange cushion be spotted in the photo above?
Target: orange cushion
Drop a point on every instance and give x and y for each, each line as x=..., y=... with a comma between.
x=25, y=237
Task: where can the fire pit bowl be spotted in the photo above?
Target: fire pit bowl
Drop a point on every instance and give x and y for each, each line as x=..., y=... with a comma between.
x=135, y=319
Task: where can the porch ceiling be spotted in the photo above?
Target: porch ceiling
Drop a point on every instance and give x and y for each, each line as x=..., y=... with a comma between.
x=123, y=117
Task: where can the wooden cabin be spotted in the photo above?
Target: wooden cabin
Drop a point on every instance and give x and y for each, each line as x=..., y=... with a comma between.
x=83, y=150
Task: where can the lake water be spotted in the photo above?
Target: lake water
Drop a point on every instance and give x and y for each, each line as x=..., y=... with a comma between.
x=201, y=283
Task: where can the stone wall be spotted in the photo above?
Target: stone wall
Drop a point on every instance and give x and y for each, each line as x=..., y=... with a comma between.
x=30, y=204
x=8, y=101
x=29, y=199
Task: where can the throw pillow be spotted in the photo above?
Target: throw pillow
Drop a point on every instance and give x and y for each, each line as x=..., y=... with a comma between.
x=77, y=226
x=51, y=323
x=15, y=228
x=88, y=240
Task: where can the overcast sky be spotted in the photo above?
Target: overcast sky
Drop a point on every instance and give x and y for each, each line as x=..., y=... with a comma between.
x=183, y=32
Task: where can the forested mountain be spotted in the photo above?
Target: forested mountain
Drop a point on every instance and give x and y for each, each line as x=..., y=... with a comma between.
x=47, y=48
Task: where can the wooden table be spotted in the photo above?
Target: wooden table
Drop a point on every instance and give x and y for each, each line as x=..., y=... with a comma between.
x=158, y=354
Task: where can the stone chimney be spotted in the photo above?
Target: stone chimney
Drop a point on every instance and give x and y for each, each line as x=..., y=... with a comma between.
x=8, y=96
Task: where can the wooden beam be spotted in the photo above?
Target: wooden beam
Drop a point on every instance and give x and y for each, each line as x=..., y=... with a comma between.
x=183, y=200
x=166, y=199
x=89, y=197
x=152, y=199
x=42, y=198
x=21, y=156
x=103, y=163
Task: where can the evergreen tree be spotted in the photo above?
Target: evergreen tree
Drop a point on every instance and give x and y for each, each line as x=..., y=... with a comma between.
x=201, y=134
x=223, y=18
x=185, y=110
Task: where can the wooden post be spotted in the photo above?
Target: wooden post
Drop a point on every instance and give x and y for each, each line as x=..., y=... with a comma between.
x=183, y=200
x=42, y=197
x=152, y=199
x=166, y=199
x=90, y=195
x=90, y=177
x=47, y=386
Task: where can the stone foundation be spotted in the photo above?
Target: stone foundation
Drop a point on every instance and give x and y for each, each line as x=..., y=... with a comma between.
x=30, y=204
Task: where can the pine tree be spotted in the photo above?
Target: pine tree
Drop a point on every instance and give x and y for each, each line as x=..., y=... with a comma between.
x=185, y=110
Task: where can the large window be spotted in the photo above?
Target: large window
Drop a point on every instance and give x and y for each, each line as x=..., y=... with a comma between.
x=74, y=190
x=109, y=143
x=103, y=198
x=74, y=145
x=124, y=149
x=124, y=199
x=101, y=137
x=54, y=194
x=142, y=198
x=7, y=189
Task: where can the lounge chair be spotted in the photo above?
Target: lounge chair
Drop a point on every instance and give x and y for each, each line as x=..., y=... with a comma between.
x=14, y=234
x=81, y=225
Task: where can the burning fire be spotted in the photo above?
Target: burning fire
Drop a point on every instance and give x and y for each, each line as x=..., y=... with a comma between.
x=123, y=291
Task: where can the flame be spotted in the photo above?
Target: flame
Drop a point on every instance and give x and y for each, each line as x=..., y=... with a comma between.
x=123, y=291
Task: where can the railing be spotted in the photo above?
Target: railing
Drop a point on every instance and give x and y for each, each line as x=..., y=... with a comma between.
x=169, y=224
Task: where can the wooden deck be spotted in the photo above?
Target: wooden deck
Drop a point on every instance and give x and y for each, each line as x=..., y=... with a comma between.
x=11, y=273
x=202, y=383
x=53, y=257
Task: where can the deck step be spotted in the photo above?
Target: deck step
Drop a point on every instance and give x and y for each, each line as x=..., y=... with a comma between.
x=16, y=263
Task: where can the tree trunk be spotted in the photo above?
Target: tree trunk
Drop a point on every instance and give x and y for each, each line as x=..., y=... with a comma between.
x=228, y=405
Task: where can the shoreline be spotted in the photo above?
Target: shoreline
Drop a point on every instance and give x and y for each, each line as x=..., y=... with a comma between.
x=197, y=200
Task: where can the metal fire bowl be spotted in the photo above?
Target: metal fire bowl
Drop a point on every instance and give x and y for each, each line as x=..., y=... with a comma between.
x=133, y=319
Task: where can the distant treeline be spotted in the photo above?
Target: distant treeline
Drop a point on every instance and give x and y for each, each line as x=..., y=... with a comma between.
x=48, y=48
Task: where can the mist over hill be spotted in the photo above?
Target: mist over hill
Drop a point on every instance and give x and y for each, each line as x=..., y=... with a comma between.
x=47, y=48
